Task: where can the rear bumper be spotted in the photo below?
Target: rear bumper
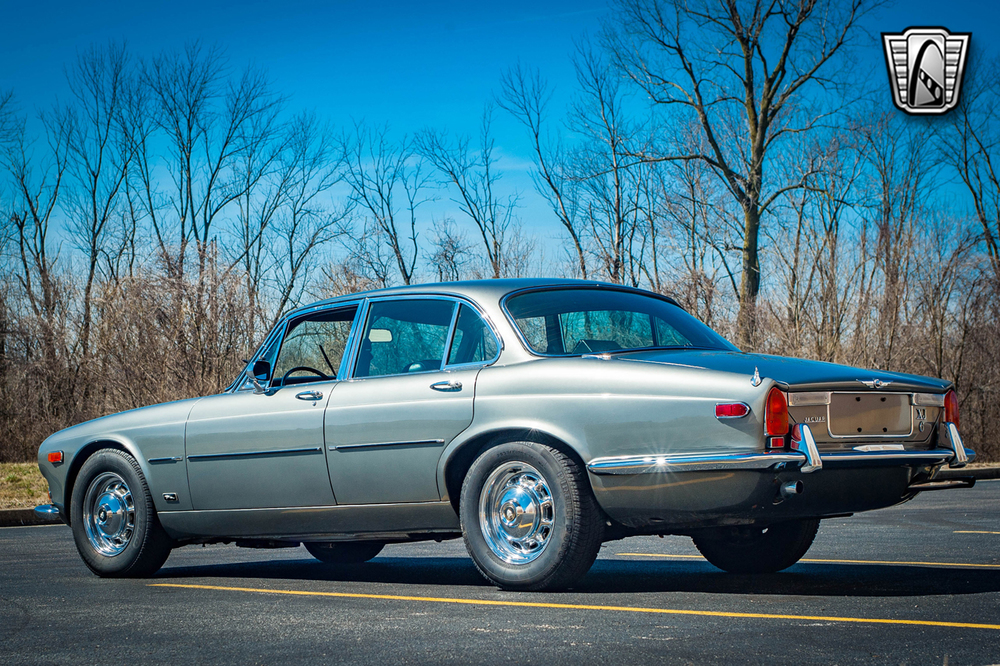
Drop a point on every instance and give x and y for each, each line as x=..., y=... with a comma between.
x=779, y=460
x=803, y=455
x=683, y=492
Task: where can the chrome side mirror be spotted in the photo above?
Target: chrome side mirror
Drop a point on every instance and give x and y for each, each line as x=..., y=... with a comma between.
x=259, y=374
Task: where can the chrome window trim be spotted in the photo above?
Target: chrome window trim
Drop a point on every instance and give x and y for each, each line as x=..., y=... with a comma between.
x=594, y=287
x=241, y=384
x=451, y=341
x=445, y=366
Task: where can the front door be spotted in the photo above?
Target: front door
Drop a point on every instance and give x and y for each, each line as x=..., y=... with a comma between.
x=250, y=451
x=265, y=450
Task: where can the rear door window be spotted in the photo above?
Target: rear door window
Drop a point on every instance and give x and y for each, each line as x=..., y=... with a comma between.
x=404, y=336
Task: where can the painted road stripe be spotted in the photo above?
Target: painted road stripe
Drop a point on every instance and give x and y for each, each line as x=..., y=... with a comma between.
x=807, y=559
x=624, y=609
x=974, y=532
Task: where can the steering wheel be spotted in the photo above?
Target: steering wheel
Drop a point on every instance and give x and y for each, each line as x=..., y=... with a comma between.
x=306, y=368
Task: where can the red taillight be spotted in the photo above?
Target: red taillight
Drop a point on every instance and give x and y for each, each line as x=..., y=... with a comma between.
x=56, y=457
x=951, y=408
x=776, y=414
x=731, y=410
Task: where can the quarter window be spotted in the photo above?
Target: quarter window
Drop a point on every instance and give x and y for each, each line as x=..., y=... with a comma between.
x=404, y=336
x=473, y=342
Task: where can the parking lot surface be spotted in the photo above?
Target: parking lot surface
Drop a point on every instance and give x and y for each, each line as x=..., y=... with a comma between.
x=914, y=584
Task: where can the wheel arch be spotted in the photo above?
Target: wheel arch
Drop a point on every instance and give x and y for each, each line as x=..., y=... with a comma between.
x=460, y=459
x=82, y=455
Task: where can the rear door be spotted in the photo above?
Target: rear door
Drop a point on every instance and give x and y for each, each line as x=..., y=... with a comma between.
x=411, y=392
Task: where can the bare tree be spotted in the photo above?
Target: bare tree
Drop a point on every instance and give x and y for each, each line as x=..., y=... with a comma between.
x=452, y=252
x=471, y=171
x=380, y=172
x=525, y=95
x=739, y=70
x=99, y=157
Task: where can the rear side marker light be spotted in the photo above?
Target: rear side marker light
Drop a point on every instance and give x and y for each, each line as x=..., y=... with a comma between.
x=56, y=457
x=731, y=410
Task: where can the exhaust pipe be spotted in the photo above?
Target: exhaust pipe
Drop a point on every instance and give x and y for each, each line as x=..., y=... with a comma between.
x=791, y=488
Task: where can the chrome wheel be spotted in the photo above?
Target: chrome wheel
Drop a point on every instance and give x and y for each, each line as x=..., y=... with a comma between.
x=516, y=512
x=109, y=514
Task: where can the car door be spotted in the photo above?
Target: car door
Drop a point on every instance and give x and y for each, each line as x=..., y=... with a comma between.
x=250, y=449
x=406, y=399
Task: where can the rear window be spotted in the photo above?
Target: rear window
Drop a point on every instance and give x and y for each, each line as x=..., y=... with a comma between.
x=567, y=322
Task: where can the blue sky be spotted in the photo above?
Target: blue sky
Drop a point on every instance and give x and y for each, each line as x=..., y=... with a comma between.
x=410, y=64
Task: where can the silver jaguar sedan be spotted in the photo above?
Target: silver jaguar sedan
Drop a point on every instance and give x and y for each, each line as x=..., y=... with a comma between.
x=534, y=418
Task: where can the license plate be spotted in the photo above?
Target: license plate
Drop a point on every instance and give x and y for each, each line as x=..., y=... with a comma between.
x=869, y=414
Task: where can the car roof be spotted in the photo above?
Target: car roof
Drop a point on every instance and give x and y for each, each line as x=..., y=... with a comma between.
x=485, y=292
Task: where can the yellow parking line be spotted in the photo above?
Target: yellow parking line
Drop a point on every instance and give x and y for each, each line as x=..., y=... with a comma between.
x=807, y=559
x=626, y=609
x=974, y=532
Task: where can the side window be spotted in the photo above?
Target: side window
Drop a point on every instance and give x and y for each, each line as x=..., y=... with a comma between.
x=402, y=336
x=474, y=342
x=313, y=347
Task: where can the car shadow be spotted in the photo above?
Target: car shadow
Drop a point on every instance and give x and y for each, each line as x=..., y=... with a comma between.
x=618, y=576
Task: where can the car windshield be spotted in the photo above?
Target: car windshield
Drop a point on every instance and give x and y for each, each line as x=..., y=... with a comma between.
x=567, y=322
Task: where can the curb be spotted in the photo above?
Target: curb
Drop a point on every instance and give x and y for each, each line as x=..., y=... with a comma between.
x=24, y=517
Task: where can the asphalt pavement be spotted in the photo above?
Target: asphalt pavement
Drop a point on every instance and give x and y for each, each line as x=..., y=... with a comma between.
x=914, y=584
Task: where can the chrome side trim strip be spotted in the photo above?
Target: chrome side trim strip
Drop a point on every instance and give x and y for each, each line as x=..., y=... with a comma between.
x=153, y=461
x=246, y=454
x=683, y=462
x=418, y=442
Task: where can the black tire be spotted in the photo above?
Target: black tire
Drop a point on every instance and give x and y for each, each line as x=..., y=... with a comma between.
x=142, y=545
x=571, y=523
x=757, y=549
x=344, y=552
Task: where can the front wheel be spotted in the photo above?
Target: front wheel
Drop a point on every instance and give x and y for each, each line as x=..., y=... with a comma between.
x=344, y=552
x=529, y=518
x=114, y=523
x=755, y=549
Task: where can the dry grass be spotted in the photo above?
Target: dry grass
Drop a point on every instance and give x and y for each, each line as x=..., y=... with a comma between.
x=22, y=486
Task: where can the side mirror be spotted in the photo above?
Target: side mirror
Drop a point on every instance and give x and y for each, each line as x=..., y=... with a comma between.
x=259, y=375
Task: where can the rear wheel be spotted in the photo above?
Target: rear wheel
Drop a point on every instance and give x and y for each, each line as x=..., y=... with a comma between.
x=529, y=518
x=114, y=523
x=344, y=552
x=757, y=549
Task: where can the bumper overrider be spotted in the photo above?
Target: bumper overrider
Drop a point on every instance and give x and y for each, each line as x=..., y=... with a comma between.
x=702, y=489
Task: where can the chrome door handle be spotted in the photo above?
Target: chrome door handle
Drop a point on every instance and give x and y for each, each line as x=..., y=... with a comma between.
x=447, y=386
x=309, y=395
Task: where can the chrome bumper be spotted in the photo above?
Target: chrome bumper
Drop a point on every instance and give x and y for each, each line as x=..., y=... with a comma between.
x=47, y=511
x=803, y=454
